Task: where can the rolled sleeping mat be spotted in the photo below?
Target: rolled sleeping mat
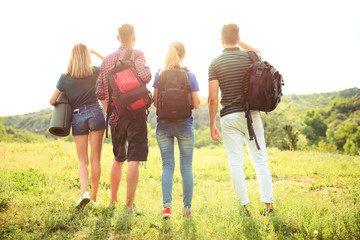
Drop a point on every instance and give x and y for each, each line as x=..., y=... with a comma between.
x=60, y=122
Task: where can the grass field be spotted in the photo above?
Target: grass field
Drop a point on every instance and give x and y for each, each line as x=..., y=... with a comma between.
x=313, y=192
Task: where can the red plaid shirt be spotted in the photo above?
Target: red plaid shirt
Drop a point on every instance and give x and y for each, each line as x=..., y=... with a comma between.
x=140, y=65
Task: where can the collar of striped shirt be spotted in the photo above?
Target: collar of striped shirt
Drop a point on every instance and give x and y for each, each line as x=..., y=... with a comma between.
x=231, y=49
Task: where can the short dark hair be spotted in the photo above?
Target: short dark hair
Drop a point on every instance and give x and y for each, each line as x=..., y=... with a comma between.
x=126, y=33
x=230, y=33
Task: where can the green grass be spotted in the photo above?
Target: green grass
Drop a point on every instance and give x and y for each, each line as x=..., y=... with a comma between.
x=39, y=187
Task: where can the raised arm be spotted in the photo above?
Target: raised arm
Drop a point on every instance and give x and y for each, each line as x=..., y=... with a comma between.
x=97, y=54
x=247, y=47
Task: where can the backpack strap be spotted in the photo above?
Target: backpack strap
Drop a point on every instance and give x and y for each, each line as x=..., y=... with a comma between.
x=108, y=111
x=127, y=55
x=252, y=135
x=109, y=107
x=188, y=99
x=253, y=56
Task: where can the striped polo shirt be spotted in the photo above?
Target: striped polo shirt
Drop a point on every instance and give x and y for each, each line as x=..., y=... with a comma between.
x=229, y=69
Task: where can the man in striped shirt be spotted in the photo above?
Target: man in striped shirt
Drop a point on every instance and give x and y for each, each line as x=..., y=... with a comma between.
x=128, y=130
x=227, y=73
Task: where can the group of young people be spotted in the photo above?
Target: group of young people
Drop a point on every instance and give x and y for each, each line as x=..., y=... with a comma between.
x=87, y=88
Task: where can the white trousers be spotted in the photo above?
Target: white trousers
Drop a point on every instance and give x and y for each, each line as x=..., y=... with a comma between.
x=234, y=130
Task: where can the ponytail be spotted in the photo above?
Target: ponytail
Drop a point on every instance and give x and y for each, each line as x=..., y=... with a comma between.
x=173, y=57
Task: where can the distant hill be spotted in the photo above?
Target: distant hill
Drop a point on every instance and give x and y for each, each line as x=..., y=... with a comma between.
x=38, y=122
x=302, y=103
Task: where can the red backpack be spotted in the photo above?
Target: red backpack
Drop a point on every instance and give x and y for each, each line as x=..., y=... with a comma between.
x=127, y=92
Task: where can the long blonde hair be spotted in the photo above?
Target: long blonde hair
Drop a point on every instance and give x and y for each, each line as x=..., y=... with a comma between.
x=174, y=56
x=80, y=62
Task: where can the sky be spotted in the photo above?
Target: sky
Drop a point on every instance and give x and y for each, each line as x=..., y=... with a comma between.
x=314, y=44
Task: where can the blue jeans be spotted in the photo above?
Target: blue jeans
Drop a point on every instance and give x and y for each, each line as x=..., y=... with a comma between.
x=183, y=131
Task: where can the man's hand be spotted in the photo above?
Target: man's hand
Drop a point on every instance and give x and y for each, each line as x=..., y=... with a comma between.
x=247, y=48
x=215, y=134
x=213, y=106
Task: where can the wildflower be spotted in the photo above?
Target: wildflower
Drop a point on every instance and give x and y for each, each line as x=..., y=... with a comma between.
x=316, y=233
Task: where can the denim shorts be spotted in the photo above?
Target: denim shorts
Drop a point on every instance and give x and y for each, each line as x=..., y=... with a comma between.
x=88, y=118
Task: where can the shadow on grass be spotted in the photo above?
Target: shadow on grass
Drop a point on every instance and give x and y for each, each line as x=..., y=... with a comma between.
x=101, y=228
x=250, y=227
x=123, y=223
x=189, y=227
x=281, y=228
x=65, y=220
x=168, y=231
x=98, y=222
x=165, y=231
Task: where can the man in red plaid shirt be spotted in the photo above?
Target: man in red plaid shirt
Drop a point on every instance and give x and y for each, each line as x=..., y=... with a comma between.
x=126, y=127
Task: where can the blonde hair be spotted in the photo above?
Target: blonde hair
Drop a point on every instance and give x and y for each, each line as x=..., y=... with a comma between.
x=80, y=62
x=126, y=33
x=174, y=56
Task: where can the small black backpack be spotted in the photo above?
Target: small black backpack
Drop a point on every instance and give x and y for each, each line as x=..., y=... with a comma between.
x=174, y=95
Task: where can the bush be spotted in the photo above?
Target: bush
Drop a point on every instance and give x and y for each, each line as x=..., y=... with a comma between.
x=350, y=148
x=346, y=138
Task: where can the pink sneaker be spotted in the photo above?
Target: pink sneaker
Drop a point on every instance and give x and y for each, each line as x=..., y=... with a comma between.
x=166, y=213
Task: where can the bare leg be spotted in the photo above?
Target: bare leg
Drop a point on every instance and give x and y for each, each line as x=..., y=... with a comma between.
x=96, y=141
x=115, y=178
x=132, y=178
x=81, y=143
x=268, y=205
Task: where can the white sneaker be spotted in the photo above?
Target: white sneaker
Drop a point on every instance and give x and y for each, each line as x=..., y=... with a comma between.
x=84, y=199
x=93, y=203
x=134, y=209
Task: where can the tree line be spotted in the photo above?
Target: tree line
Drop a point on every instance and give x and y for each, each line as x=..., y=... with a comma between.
x=333, y=127
x=326, y=122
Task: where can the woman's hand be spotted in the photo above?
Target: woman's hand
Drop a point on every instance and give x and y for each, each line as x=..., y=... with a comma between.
x=97, y=54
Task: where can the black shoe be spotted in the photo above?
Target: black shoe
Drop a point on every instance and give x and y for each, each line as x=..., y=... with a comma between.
x=268, y=211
